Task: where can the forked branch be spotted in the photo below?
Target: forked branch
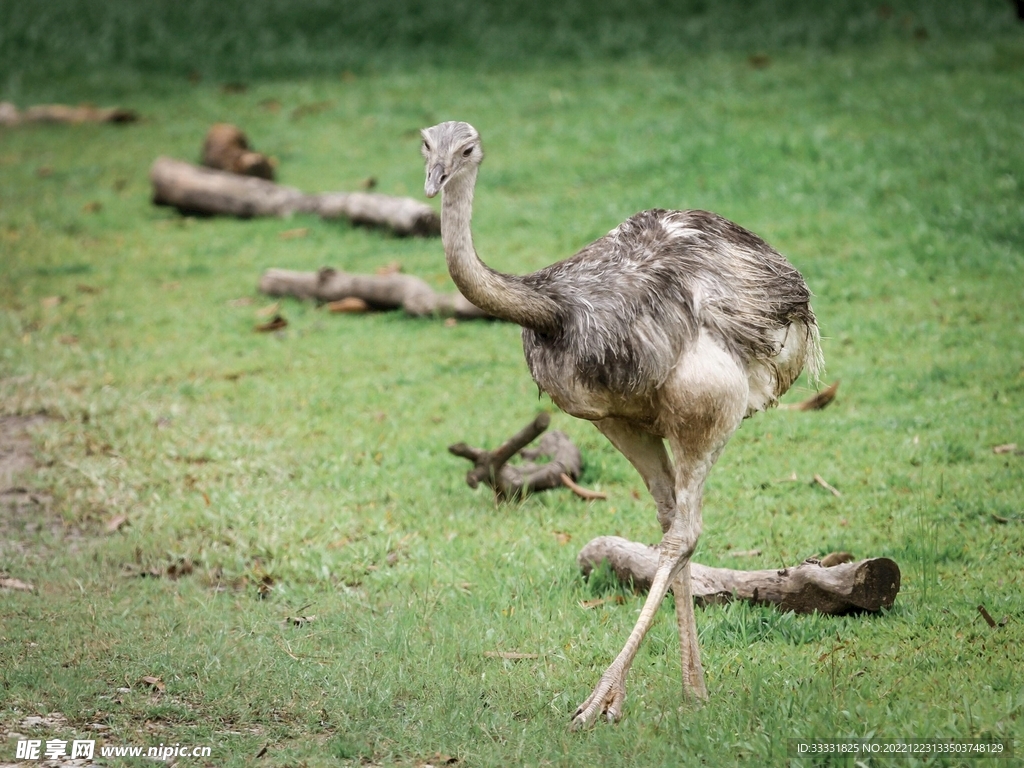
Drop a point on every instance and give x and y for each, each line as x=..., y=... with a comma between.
x=511, y=481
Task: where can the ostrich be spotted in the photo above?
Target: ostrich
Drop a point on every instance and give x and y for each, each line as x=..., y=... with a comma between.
x=673, y=327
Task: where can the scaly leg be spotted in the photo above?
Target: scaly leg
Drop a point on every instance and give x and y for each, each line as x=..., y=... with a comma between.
x=689, y=647
x=707, y=401
x=647, y=453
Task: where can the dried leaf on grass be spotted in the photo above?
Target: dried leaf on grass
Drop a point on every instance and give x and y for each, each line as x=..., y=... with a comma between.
x=350, y=304
x=266, y=586
x=391, y=268
x=1005, y=448
x=293, y=234
x=815, y=403
x=270, y=310
x=153, y=682
x=115, y=523
x=299, y=621
x=276, y=323
x=833, y=559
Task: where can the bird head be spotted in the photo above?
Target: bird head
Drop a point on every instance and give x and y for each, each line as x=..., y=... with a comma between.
x=449, y=149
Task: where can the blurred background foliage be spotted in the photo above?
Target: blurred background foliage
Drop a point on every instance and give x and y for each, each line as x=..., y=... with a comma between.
x=296, y=38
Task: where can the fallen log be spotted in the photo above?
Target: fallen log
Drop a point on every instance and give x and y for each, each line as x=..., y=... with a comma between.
x=511, y=481
x=62, y=113
x=848, y=587
x=379, y=292
x=193, y=189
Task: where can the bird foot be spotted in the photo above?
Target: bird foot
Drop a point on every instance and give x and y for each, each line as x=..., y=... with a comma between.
x=607, y=699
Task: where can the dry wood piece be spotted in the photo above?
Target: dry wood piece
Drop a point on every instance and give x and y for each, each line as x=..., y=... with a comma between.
x=192, y=189
x=986, y=616
x=827, y=486
x=62, y=113
x=227, y=149
x=867, y=585
x=389, y=291
x=816, y=402
x=9, y=114
x=511, y=481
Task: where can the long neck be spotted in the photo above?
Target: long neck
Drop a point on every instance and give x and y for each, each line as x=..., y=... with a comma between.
x=504, y=296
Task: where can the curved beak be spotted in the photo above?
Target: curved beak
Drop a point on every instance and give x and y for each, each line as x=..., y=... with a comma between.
x=436, y=177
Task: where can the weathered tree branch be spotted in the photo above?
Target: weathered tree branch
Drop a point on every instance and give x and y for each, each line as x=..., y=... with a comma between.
x=868, y=585
x=510, y=481
x=62, y=113
x=192, y=189
x=393, y=291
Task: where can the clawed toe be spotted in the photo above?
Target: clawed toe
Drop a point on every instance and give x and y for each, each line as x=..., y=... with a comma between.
x=607, y=700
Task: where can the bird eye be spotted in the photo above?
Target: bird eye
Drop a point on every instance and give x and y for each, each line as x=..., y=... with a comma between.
x=426, y=145
x=468, y=151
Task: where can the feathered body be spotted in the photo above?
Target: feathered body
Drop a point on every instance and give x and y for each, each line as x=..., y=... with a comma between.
x=632, y=302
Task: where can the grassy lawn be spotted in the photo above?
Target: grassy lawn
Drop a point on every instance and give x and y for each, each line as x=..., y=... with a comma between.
x=265, y=477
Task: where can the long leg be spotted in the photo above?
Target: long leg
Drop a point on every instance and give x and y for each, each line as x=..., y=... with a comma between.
x=697, y=440
x=647, y=453
x=689, y=647
x=704, y=403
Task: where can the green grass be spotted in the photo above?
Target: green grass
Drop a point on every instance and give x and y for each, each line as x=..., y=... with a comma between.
x=886, y=166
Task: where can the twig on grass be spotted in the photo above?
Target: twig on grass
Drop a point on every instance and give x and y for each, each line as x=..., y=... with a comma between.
x=831, y=489
x=510, y=655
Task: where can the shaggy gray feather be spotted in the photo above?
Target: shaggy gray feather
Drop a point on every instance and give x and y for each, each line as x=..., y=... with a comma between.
x=632, y=301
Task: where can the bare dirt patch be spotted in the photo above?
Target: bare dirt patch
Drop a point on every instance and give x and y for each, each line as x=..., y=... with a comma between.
x=25, y=510
x=16, y=450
